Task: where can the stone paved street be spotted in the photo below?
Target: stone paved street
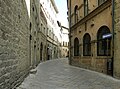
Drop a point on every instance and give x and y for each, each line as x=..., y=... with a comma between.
x=57, y=74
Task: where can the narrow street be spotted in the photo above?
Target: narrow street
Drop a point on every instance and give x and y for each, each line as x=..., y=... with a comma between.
x=58, y=74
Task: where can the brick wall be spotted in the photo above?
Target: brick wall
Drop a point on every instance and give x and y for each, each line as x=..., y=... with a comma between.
x=14, y=25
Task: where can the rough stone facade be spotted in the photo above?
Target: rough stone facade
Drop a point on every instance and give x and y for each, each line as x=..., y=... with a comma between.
x=117, y=39
x=34, y=29
x=14, y=40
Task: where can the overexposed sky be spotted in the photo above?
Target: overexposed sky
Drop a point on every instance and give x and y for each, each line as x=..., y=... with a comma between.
x=62, y=8
x=28, y=6
x=62, y=17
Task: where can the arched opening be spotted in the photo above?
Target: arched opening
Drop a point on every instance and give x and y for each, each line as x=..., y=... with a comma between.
x=76, y=47
x=48, y=52
x=103, y=44
x=86, y=45
x=41, y=51
x=76, y=13
x=35, y=55
x=30, y=46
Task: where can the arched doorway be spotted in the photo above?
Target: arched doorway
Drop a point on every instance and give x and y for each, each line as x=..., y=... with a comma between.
x=35, y=55
x=41, y=51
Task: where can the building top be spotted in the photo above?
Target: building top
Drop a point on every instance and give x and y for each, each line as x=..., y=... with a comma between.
x=43, y=15
x=54, y=5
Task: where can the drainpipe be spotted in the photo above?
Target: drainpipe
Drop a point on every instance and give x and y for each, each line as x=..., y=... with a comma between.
x=113, y=32
x=70, y=34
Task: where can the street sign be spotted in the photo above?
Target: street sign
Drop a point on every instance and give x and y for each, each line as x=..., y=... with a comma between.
x=107, y=36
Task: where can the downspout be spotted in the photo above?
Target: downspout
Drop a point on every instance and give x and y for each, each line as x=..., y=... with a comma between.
x=113, y=32
x=70, y=35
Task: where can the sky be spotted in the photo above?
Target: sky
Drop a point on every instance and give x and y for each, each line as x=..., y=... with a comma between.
x=62, y=8
x=28, y=6
x=62, y=16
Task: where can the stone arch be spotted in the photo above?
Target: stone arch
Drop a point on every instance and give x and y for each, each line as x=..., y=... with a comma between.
x=76, y=47
x=87, y=45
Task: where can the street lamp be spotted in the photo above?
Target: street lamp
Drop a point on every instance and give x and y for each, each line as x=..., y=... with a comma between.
x=61, y=26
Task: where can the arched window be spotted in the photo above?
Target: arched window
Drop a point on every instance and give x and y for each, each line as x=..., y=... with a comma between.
x=76, y=47
x=76, y=13
x=103, y=44
x=86, y=45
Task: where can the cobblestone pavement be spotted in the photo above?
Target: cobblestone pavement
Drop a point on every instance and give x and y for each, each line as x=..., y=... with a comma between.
x=57, y=74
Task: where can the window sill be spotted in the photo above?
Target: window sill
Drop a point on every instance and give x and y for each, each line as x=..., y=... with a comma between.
x=103, y=57
x=86, y=57
x=76, y=56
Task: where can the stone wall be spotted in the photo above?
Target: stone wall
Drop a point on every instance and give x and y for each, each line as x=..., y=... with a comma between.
x=34, y=18
x=117, y=40
x=14, y=40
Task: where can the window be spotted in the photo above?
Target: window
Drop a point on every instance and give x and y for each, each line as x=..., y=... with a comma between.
x=76, y=47
x=76, y=13
x=85, y=7
x=86, y=45
x=47, y=31
x=30, y=26
x=63, y=43
x=44, y=30
x=101, y=2
x=103, y=45
x=33, y=9
x=41, y=27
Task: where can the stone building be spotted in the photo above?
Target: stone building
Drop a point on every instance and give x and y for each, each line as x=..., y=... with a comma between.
x=14, y=41
x=43, y=35
x=65, y=42
x=94, y=43
x=64, y=49
x=52, y=44
x=34, y=42
x=53, y=33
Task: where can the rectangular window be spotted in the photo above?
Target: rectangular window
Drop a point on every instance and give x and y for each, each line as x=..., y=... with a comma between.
x=47, y=31
x=44, y=31
x=87, y=49
x=85, y=7
x=41, y=27
x=104, y=47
